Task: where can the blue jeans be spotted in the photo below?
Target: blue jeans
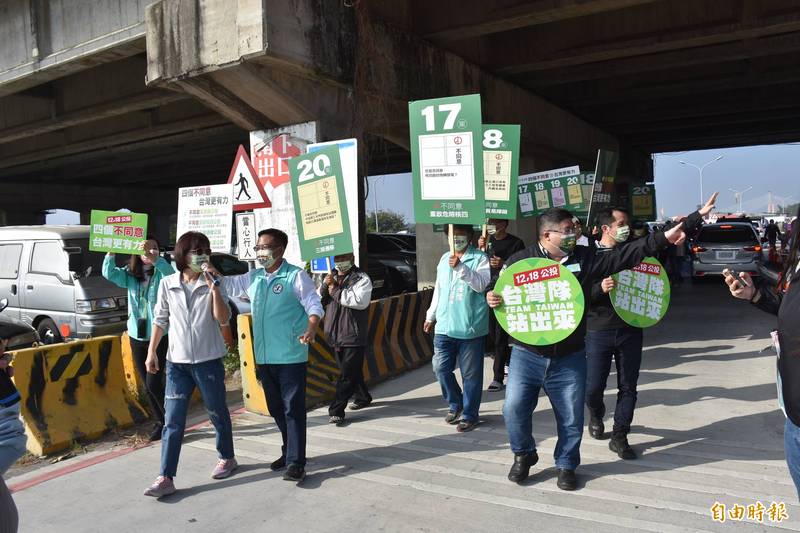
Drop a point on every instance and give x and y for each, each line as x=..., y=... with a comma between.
x=468, y=353
x=791, y=446
x=285, y=389
x=564, y=382
x=182, y=378
x=624, y=345
x=12, y=437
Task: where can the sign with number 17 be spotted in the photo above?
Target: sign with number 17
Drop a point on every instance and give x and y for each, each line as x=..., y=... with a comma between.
x=446, y=160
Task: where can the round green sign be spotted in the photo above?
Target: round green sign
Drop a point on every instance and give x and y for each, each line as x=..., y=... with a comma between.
x=542, y=301
x=641, y=295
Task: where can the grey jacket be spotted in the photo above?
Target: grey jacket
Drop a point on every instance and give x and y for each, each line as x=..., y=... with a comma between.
x=347, y=309
x=194, y=334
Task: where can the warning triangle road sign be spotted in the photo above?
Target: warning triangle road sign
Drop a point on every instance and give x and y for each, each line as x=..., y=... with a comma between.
x=248, y=193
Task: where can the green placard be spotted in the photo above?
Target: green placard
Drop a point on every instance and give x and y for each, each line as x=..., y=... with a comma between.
x=320, y=207
x=605, y=175
x=542, y=301
x=501, y=169
x=560, y=187
x=117, y=232
x=643, y=202
x=641, y=295
x=446, y=168
x=587, y=186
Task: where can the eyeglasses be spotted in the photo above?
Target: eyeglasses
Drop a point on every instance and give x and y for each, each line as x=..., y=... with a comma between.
x=259, y=247
x=201, y=251
x=572, y=232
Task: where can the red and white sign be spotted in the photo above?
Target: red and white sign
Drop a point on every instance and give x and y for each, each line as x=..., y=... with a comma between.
x=271, y=160
x=248, y=193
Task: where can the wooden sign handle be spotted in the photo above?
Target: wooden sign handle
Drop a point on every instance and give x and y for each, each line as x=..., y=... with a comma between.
x=450, y=239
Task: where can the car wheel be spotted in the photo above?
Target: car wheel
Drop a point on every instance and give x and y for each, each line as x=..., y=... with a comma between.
x=48, y=332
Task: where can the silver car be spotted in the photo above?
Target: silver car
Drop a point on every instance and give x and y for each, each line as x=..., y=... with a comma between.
x=733, y=245
x=54, y=283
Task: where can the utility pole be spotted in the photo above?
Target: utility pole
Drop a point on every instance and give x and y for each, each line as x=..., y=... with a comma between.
x=700, y=169
x=737, y=195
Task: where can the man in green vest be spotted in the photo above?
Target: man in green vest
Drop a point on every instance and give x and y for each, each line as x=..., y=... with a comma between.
x=460, y=315
x=286, y=310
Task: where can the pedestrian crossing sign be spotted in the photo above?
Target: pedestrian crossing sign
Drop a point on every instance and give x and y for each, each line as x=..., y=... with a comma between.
x=248, y=193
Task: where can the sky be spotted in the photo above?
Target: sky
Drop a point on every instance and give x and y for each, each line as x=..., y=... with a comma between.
x=766, y=168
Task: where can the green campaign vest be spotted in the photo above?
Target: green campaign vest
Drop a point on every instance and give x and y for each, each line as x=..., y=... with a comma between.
x=278, y=317
x=461, y=313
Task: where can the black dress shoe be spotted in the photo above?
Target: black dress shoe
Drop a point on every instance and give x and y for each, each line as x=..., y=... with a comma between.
x=567, y=479
x=278, y=463
x=155, y=435
x=620, y=446
x=522, y=466
x=295, y=473
x=596, y=428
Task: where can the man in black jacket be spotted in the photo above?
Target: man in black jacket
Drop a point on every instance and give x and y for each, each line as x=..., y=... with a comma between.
x=561, y=368
x=499, y=247
x=346, y=294
x=607, y=337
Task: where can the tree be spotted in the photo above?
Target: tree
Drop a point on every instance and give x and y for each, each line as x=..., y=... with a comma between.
x=791, y=209
x=388, y=222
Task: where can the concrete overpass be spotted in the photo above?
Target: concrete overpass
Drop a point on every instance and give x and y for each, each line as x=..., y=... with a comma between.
x=133, y=101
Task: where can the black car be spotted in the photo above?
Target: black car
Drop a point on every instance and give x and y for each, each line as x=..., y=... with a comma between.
x=19, y=334
x=400, y=263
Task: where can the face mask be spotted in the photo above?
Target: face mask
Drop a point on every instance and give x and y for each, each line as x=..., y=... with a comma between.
x=622, y=234
x=460, y=243
x=343, y=266
x=491, y=229
x=568, y=243
x=265, y=258
x=196, y=262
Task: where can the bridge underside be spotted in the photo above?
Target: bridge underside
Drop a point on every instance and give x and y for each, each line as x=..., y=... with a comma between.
x=166, y=104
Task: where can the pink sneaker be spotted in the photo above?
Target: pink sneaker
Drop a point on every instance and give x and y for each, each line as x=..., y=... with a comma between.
x=162, y=486
x=224, y=468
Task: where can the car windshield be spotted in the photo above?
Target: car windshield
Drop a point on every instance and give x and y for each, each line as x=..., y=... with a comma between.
x=729, y=235
x=88, y=259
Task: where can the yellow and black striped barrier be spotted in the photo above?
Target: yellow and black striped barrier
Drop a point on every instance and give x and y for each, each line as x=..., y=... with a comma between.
x=397, y=344
x=73, y=391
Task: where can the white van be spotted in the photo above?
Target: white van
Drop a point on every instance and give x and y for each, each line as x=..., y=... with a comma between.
x=54, y=283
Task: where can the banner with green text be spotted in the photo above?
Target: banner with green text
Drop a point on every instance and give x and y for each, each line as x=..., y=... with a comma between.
x=117, y=232
x=560, y=187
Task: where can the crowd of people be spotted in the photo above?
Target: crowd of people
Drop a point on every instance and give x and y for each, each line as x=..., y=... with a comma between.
x=176, y=314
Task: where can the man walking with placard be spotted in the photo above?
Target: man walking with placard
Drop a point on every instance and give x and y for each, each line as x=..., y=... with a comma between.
x=607, y=337
x=560, y=368
x=458, y=312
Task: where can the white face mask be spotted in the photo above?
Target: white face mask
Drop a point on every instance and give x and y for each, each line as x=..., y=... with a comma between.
x=343, y=266
x=491, y=229
x=460, y=242
x=622, y=234
x=265, y=258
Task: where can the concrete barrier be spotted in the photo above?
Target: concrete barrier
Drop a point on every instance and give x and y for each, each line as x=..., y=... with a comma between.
x=397, y=344
x=74, y=391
